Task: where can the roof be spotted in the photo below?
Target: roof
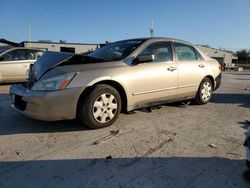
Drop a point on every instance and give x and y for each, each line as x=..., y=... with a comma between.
x=62, y=43
x=205, y=46
x=214, y=52
x=15, y=48
x=159, y=38
x=143, y=38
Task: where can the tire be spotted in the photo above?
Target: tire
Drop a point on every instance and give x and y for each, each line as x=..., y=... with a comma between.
x=204, y=93
x=100, y=108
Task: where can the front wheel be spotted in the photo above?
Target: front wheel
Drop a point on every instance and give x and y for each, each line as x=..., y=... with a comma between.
x=101, y=107
x=204, y=93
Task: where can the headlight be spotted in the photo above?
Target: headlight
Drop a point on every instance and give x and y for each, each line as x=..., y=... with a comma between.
x=54, y=83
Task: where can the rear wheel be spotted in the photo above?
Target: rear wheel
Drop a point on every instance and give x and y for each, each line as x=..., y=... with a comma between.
x=204, y=93
x=101, y=107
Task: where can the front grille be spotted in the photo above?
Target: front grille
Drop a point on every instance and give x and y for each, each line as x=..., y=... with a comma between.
x=19, y=103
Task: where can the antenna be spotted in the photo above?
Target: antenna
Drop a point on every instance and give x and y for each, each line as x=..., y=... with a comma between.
x=151, y=29
x=29, y=35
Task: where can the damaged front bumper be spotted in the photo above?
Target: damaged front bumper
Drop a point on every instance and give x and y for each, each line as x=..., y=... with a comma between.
x=45, y=105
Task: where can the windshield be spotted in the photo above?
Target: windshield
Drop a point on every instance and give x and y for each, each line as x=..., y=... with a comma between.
x=117, y=51
x=3, y=49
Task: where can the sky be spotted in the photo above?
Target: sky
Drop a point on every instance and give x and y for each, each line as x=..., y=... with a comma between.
x=217, y=23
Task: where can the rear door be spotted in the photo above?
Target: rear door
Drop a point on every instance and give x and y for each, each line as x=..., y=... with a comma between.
x=191, y=68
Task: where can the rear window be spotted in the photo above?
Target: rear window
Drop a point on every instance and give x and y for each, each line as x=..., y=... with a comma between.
x=185, y=52
x=34, y=54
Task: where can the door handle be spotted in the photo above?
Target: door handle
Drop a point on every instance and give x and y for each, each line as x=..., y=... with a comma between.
x=171, y=69
x=201, y=65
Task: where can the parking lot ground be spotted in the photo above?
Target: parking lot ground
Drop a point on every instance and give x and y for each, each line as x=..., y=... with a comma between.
x=196, y=146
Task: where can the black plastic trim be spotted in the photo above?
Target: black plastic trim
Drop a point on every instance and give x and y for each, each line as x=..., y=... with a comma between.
x=218, y=81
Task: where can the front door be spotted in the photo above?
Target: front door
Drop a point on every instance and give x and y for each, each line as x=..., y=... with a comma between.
x=156, y=80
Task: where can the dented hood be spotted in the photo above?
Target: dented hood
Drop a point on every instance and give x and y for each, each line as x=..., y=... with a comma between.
x=48, y=61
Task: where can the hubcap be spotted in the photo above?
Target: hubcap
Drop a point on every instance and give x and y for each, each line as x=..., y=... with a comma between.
x=105, y=108
x=206, y=91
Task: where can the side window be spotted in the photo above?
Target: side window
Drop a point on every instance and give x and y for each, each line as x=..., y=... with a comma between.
x=38, y=54
x=161, y=51
x=199, y=57
x=15, y=55
x=34, y=54
x=185, y=52
x=7, y=57
x=31, y=55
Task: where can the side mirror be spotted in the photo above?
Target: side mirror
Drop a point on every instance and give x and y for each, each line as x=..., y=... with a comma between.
x=143, y=59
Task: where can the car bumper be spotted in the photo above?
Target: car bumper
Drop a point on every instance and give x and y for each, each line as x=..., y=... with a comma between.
x=45, y=105
x=217, y=81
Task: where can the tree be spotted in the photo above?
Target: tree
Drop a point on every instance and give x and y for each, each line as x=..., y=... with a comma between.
x=243, y=56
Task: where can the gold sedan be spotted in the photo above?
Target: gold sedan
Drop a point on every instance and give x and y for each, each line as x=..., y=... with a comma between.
x=119, y=77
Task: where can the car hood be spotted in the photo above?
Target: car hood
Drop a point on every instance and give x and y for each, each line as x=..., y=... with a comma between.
x=48, y=61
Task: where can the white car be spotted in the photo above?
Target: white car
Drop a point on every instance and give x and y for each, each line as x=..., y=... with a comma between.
x=15, y=62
